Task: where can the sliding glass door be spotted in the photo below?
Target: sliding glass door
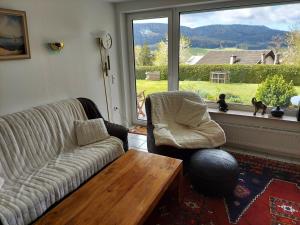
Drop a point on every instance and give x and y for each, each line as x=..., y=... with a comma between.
x=149, y=40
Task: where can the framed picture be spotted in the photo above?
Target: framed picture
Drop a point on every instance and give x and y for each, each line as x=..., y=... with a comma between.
x=14, y=43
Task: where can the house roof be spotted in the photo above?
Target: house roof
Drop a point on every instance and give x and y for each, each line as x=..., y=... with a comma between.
x=242, y=57
x=194, y=59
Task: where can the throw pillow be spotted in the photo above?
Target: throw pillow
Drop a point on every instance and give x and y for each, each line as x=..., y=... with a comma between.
x=192, y=114
x=90, y=131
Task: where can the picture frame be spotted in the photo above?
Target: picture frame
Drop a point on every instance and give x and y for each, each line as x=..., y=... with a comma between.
x=14, y=41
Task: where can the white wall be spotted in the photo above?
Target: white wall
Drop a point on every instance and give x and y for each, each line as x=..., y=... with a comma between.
x=74, y=72
x=267, y=136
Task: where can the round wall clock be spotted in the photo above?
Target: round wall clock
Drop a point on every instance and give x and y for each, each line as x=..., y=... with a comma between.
x=107, y=41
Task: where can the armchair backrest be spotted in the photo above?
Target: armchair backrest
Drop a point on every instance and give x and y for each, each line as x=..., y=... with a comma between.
x=148, y=111
x=165, y=105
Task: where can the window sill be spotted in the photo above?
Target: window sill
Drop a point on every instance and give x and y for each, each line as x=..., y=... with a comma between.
x=250, y=115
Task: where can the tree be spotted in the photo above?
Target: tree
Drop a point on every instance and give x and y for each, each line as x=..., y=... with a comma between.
x=276, y=91
x=277, y=43
x=292, y=56
x=143, y=55
x=137, y=52
x=184, y=49
x=161, y=54
x=243, y=46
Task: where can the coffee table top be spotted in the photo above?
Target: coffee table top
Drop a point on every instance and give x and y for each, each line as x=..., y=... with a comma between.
x=124, y=193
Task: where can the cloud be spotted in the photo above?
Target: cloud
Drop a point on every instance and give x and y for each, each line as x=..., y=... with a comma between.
x=10, y=26
x=158, y=20
x=277, y=17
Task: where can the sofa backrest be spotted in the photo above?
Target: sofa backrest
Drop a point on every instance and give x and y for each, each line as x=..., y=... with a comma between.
x=30, y=138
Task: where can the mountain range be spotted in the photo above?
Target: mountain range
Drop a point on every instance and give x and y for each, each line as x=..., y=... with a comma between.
x=212, y=36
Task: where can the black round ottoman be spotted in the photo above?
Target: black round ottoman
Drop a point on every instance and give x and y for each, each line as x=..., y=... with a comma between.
x=214, y=172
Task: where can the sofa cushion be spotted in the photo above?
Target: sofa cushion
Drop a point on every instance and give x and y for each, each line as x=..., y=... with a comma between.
x=24, y=199
x=90, y=131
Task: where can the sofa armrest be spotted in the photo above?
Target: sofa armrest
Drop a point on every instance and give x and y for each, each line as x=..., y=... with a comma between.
x=118, y=131
x=115, y=130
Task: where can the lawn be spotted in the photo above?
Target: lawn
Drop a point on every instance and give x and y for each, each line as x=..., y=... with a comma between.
x=238, y=93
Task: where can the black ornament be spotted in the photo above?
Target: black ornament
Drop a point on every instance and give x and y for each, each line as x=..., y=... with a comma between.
x=259, y=105
x=277, y=112
x=222, y=104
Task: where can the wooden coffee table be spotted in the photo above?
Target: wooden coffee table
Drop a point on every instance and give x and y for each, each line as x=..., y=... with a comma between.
x=124, y=193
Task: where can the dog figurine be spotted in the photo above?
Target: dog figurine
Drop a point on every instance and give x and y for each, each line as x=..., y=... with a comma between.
x=259, y=105
x=223, y=107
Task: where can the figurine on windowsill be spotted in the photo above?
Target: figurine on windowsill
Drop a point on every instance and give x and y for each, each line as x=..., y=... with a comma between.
x=259, y=105
x=223, y=107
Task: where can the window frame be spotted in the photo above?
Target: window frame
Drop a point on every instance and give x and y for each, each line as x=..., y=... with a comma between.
x=132, y=76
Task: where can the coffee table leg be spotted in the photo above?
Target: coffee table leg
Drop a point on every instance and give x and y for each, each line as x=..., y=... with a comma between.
x=176, y=188
x=180, y=185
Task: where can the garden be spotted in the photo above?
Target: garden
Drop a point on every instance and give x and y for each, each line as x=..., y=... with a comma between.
x=273, y=84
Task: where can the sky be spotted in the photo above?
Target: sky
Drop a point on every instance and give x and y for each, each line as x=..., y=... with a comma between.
x=280, y=17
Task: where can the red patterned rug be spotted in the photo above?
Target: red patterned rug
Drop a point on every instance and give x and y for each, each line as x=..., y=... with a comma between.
x=267, y=194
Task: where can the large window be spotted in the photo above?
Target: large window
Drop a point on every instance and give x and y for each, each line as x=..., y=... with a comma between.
x=243, y=53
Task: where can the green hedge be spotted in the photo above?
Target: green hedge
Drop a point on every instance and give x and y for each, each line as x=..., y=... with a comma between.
x=238, y=73
x=141, y=71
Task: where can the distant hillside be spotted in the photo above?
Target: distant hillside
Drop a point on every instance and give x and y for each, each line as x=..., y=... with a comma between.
x=213, y=36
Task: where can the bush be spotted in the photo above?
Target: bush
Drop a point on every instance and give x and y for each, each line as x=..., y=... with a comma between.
x=254, y=74
x=141, y=71
x=233, y=98
x=275, y=91
x=203, y=94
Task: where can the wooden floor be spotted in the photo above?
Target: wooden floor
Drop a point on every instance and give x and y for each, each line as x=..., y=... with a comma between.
x=124, y=193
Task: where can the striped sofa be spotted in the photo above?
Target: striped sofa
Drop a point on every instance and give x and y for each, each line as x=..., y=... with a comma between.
x=40, y=161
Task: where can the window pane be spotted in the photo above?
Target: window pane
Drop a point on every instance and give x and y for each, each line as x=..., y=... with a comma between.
x=243, y=53
x=150, y=38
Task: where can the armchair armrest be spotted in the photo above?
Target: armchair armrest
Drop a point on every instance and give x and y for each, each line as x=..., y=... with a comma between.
x=118, y=131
